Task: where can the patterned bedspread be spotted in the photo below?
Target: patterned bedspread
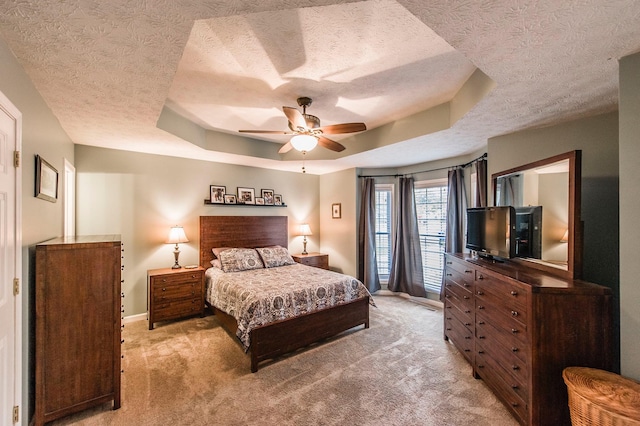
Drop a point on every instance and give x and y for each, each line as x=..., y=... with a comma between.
x=261, y=296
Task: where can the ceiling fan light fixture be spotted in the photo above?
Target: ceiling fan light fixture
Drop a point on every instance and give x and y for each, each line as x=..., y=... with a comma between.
x=304, y=143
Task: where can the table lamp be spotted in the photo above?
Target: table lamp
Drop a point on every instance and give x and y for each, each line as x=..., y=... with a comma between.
x=177, y=235
x=305, y=230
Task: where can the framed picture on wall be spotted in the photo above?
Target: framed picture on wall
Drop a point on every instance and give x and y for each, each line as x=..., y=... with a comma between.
x=277, y=199
x=267, y=194
x=246, y=195
x=229, y=198
x=46, y=180
x=336, y=211
x=217, y=194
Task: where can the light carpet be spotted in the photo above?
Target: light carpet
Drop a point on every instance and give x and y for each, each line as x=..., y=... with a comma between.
x=400, y=371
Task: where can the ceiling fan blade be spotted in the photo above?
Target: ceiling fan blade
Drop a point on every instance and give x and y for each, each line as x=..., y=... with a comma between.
x=329, y=144
x=295, y=117
x=273, y=132
x=334, y=129
x=285, y=148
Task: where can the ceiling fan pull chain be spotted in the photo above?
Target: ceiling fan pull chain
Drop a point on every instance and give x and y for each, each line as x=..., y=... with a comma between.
x=303, y=169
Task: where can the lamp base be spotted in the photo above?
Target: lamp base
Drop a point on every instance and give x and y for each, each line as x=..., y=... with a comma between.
x=176, y=253
x=304, y=245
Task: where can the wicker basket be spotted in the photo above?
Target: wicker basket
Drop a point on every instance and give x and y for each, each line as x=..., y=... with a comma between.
x=601, y=398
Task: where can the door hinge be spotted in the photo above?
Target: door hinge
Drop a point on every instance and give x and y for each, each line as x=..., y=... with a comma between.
x=16, y=414
x=16, y=159
x=16, y=286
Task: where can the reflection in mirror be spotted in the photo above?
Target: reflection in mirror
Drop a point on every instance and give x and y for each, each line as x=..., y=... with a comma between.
x=541, y=198
x=554, y=185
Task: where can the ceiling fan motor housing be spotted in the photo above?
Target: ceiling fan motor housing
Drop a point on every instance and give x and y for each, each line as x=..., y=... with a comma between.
x=313, y=122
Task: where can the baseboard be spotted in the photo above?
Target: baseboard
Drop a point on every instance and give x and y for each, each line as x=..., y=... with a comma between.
x=430, y=303
x=134, y=318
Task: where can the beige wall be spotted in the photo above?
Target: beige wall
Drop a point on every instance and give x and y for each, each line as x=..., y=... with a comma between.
x=140, y=196
x=340, y=236
x=629, y=208
x=41, y=220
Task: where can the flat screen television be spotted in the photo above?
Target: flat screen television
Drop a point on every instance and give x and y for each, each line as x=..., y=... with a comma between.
x=491, y=231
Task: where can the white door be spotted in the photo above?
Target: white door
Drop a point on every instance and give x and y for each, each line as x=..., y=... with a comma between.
x=69, y=199
x=10, y=268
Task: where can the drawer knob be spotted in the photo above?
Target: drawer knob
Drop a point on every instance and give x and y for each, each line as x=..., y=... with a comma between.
x=465, y=297
x=514, y=293
x=467, y=337
x=164, y=289
x=480, y=366
x=448, y=328
x=515, y=367
x=514, y=349
x=468, y=324
x=449, y=275
x=467, y=311
x=480, y=293
x=466, y=285
x=480, y=352
x=480, y=277
x=514, y=331
x=481, y=337
x=467, y=350
x=449, y=262
x=515, y=387
x=514, y=404
x=481, y=322
x=480, y=307
x=468, y=271
x=514, y=313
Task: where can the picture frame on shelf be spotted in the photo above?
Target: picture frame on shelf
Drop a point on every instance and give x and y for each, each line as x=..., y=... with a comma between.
x=267, y=195
x=277, y=199
x=260, y=201
x=246, y=195
x=229, y=199
x=217, y=193
x=336, y=210
x=46, y=180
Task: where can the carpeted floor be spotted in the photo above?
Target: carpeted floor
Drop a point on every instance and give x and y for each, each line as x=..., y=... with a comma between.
x=398, y=372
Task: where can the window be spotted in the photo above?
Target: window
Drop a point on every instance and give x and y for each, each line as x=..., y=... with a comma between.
x=384, y=202
x=431, y=209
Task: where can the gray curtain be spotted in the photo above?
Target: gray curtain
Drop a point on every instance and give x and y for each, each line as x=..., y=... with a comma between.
x=481, y=183
x=406, y=265
x=367, y=265
x=456, y=215
x=510, y=188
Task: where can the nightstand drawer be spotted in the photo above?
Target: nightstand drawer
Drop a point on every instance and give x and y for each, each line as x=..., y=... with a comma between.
x=179, y=309
x=173, y=291
x=317, y=260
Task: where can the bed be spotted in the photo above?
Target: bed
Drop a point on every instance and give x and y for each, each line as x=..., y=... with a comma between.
x=279, y=337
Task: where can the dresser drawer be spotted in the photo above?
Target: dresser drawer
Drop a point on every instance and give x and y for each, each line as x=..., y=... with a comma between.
x=501, y=292
x=460, y=335
x=502, y=320
x=177, y=309
x=460, y=274
x=486, y=330
x=460, y=292
x=508, y=365
x=462, y=311
x=512, y=394
x=177, y=278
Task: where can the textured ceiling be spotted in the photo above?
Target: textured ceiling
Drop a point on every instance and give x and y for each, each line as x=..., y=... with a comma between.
x=108, y=69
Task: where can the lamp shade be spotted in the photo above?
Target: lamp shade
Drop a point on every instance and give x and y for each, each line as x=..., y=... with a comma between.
x=565, y=237
x=305, y=229
x=177, y=235
x=304, y=143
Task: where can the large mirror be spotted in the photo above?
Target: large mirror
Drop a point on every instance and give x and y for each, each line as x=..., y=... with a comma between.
x=546, y=195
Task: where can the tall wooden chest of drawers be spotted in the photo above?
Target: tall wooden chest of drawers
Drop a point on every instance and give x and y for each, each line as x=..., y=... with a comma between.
x=78, y=325
x=520, y=327
x=175, y=293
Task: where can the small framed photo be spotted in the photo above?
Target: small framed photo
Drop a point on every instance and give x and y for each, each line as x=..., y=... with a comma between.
x=260, y=201
x=267, y=194
x=246, y=195
x=229, y=198
x=217, y=194
x=277, y=199
x=46, y=180
x=336, y=211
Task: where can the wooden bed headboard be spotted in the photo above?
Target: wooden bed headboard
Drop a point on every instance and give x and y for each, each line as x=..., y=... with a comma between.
x=241, y=231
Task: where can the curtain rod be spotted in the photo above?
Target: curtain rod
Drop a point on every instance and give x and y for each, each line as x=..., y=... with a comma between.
x=431, y=170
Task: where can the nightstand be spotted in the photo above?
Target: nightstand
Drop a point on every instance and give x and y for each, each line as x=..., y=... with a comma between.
x=174, y=293
x=318, y=260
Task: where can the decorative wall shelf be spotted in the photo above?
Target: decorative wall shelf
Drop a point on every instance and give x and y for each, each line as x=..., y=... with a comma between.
x=209, y=203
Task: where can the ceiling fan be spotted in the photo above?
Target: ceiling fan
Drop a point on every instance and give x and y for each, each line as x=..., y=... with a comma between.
x=307, y=132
